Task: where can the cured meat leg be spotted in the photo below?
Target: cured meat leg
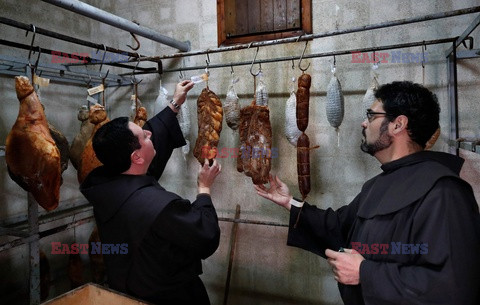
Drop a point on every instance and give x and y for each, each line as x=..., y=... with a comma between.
x=78, y=144
x=32, y=157
x=89, y=161
x=210, y=116
x=141, y=116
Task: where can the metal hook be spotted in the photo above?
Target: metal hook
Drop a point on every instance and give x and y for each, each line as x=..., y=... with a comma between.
x=134, y=37
x=301, y=58
x=231, y=69
x=38, y=59
x=470, y=39
x=251, y=66
x=293, y=64
x=103, y=58
x=208, y=60
x=89, y=77
x=134, y=80
x=136, y=40
x=34, y=30
x=181, y=75
x=334, y=61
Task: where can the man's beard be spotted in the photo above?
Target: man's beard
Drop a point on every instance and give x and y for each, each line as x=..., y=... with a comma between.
x=383, y=141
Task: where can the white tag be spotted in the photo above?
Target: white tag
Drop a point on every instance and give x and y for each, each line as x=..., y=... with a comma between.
x=41, y=81
x=96, y=90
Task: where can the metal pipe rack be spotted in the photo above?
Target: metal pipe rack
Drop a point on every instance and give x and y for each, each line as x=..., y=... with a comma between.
x=116, y=21
x=28, y=229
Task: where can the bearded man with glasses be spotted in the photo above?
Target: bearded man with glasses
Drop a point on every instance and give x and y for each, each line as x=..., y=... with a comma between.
x=412, y=235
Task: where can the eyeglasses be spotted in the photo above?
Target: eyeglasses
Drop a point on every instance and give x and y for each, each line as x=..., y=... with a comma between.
x=371, y=115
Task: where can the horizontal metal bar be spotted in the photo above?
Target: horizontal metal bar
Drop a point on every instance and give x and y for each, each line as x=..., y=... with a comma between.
x=61, y=73
x=17, y=242
x=13, y=232
x=253, y=222
x=464, y=35
x=466, y=54
x=44, y=32
x=381, y=25
x=41, y=234
x=473, y=146
x=70, y=57
x=116, y=21
x=48, y=217
x=314, y=55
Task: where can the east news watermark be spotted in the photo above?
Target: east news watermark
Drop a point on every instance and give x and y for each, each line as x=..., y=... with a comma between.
x=93, y=57
x=95, y=248
x=391, y=248
x=244, y=152
x=394, y=57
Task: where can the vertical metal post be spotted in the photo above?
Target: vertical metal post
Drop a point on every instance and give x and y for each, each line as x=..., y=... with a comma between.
x=233, y=241
x=453, y=98
x=34, y=251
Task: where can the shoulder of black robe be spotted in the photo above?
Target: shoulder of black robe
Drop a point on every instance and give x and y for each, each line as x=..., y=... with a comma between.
x=166, y=136
x=406, y=180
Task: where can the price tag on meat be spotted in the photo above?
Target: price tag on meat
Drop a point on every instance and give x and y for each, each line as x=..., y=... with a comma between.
x=42, y=82
x=95, y=90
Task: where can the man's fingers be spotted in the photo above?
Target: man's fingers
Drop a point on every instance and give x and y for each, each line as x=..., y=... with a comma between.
x=332, y=254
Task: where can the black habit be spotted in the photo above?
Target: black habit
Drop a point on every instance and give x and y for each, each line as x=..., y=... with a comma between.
x=426, y=215
x=167, y=236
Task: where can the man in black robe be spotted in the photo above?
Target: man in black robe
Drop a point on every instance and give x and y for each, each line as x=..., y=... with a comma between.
x=162, y=237
x=412, y=235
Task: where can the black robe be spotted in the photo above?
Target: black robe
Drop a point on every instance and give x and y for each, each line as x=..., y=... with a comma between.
x=166, y=236
x=426, y=215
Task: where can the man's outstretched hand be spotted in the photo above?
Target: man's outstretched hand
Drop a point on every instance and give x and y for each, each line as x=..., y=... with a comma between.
x=278, y=192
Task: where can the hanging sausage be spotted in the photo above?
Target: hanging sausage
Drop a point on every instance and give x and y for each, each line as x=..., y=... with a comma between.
x=335, y=101
x=291, y=130
x=210, y=116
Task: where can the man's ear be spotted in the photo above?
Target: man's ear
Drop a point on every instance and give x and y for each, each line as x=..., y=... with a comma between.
x=399, y=124
x=136, y=158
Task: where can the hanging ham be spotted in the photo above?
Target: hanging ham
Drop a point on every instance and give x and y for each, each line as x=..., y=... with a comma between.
x=78, y=143
x=89, y=161
x=33, y=159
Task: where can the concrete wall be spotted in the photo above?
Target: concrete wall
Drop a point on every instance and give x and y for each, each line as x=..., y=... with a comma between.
x=265, y=270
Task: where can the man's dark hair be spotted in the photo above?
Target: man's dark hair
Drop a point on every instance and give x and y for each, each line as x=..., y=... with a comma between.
x=114, y=143
x=414, y=101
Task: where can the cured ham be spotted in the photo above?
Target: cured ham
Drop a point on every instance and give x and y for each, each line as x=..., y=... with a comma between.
x=62, y=145
x=141, y=116
x=78, y=143
x=89, y=161
x=32, y=157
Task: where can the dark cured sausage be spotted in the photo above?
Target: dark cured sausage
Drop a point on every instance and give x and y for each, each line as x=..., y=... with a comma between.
x=303, y=165
x=303, y=97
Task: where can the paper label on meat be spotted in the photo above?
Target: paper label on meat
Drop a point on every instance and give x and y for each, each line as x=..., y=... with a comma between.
x=96, y=90
x=41, y=81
